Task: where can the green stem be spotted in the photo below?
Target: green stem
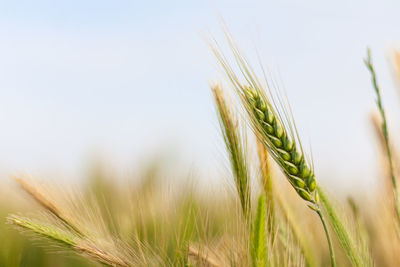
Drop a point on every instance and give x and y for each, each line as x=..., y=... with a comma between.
x=328, y=237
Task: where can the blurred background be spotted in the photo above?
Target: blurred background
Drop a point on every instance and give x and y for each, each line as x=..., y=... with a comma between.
x=121, y=81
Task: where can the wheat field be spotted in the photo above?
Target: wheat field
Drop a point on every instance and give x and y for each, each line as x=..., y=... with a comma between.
x=272, y=211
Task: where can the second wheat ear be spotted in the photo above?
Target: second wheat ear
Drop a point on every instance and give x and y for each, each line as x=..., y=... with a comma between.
x=236, y=145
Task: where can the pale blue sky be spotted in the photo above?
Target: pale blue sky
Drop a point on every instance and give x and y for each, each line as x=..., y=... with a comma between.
x=122, y=78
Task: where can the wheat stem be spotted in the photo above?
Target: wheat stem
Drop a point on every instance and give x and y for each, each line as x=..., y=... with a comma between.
x=328, y=237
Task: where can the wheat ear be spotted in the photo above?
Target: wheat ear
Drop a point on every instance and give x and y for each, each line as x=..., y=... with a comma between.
x=271, y=193
x=47, y=204
x=236, y=147
x=280, y=144
x=280, y=139
x=283, y=148
x=285, y=151
x=51, y=232
x=74, y=238
x=68, y=240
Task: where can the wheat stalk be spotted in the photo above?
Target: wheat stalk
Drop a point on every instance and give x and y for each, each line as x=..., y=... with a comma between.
x=370, y=66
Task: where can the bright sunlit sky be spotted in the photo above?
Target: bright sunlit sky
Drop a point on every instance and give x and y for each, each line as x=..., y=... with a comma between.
x=121, y=79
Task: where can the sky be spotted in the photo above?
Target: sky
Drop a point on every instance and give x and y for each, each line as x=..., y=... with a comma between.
x=121, y=80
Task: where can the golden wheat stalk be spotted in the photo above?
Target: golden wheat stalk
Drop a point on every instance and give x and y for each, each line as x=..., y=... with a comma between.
x=385, y=133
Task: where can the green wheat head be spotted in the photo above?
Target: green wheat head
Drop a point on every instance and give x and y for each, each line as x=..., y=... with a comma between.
x=276, y=132
x=280, y=143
